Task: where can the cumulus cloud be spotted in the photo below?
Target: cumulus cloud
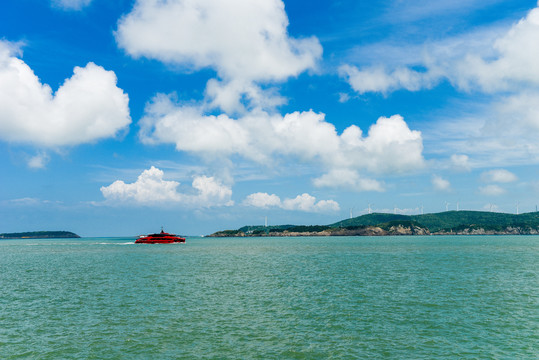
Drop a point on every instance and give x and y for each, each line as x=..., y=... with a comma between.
x=211, y=192
x=516, y=115
x=239, y=38
x=377, y=79
x=498, y=176
x=38, y=161
x=389, y=147
x=491, y=190
x=303, y=202
x=507, y=62
x=440, y=183
x=151, y=189
x=71, y=4
x=498, y=61
x=87, y=107
x=245, y=42
x=262, y=200
x=348, y=179
x=493, y=136
x=306, y=202
x=248, y=46
x=460, y=162
x=495, y=177
x=515, y=63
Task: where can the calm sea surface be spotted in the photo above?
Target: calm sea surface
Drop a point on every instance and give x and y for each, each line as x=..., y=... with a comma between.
x=271, y=298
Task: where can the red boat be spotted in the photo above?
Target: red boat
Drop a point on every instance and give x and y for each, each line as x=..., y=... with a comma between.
x=161, y=238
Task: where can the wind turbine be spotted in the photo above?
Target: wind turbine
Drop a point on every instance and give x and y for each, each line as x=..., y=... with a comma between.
x=446, y=206
x=370, y=208
x=517, y=207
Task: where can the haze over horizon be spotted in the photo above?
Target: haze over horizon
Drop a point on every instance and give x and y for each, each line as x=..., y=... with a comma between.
x=120, y=117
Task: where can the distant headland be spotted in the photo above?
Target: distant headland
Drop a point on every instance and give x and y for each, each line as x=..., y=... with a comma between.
x=379, y=224
x=40, y=235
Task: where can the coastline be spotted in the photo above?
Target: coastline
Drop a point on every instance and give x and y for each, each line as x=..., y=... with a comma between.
x=377, y=231
x=379, y=224
x=40, y=235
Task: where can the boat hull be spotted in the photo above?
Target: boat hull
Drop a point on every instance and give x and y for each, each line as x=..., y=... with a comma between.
x=147, y=240
x=161, y=238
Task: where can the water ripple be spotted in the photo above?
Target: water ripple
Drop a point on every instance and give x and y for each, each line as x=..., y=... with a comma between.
x=308, y=298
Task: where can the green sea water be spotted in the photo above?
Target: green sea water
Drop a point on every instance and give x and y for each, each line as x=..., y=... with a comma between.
x=430, y=297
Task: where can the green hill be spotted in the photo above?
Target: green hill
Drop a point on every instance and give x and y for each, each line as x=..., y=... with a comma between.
x=449, y=222
x=40, y=235
x=371, y=220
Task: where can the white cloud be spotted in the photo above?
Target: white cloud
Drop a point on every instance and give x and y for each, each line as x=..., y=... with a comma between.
x=494, y=137
x=416, y=10
x=303, y=202
x=440, y=183
x=248, y=46
x=348, y=179
x=27, y=201
x=262, y=200
x=191, y=131
x=489, y=63
x=241, y=39
x=39, y=161
x=498, y=61
x=377, y=79
x=461, y=162
x=343, y=97
x=389, y=147
x=211, y=192
x=498, y=176
x=71, y=4
x=514, y=65
x=151, y=189
x=306, y=202
x=245, y=41
x=491, y=190
x=515, y=115
x=86, y=108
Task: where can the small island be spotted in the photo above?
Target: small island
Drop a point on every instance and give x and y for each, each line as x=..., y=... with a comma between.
x=379, y=224
x=40, y=235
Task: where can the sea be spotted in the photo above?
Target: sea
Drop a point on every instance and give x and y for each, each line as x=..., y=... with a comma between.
x=432, y=297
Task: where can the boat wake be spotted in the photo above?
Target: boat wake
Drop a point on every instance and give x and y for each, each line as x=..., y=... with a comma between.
x=112, y=243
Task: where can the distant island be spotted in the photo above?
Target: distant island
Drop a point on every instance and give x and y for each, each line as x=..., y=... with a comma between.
x=380, y=224
x=40, y=235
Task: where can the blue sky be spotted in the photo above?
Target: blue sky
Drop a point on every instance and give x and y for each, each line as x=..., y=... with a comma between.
x=118, y=117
